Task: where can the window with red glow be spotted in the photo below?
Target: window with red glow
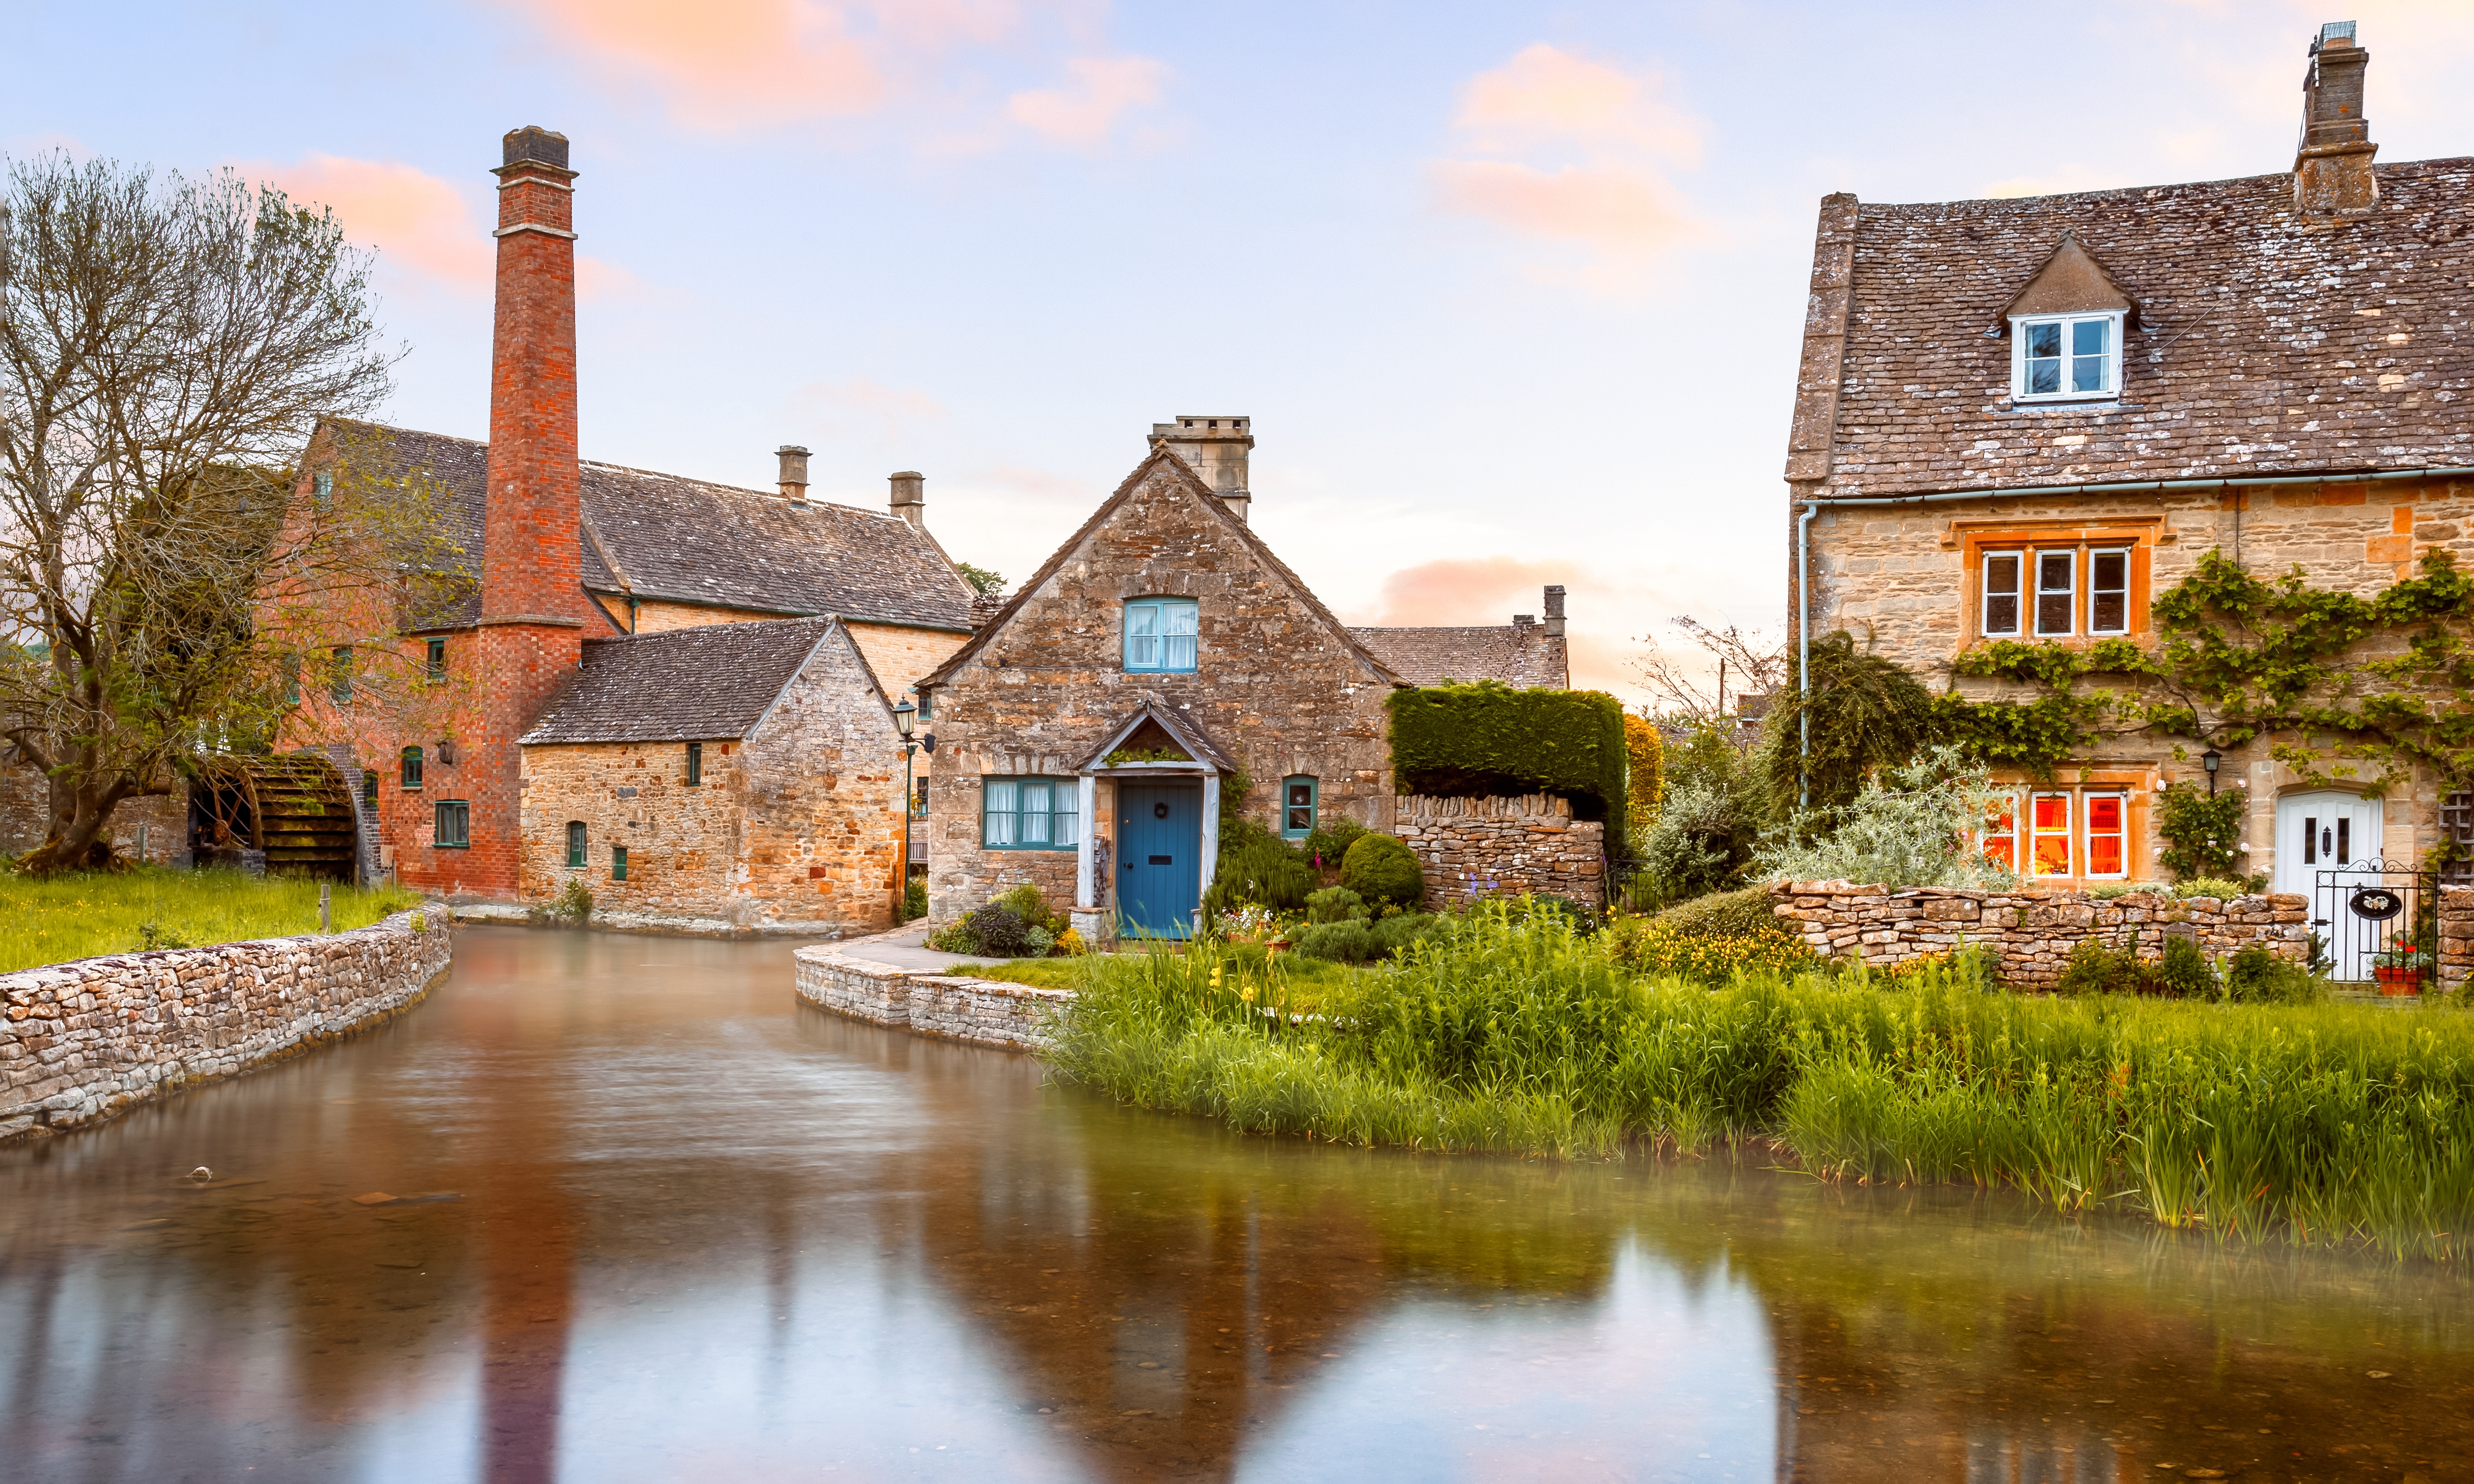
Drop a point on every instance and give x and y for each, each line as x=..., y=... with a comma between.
x=2001, y=836
x=2104, y=835
x=2048, y=835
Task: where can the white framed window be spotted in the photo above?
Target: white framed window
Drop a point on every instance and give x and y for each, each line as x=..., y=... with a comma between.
x=2048, y=835
x=2002, y=571
x=2109, y=590
x=2056, y=593
x=2001, y=838
x=2055, y=358
x=2108, y=834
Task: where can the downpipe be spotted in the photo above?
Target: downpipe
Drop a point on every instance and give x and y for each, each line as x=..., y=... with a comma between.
x=1803, y=651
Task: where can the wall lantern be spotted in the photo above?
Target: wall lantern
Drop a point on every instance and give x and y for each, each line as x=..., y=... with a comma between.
x=903, y=715
x=2211, y=760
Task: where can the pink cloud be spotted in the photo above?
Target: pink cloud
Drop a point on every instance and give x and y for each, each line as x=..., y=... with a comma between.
x=416, y=221
x=724, y=64
x=1614, y=209
x=1548, y=96
x=1104, y=89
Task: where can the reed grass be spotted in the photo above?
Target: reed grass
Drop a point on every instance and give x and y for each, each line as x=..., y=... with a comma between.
x=2334, y=1124
x=54, y=919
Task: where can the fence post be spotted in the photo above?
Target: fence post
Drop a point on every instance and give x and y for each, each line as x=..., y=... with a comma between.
x=325, y=907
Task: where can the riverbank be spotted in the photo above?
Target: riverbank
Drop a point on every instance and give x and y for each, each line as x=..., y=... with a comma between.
x=84, y=915
x=2335, y=1124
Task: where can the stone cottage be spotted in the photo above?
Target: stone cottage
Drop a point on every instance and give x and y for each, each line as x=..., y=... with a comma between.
x=732, y=775
x=2017, y=420
x=543, y=553
x=1087, y=737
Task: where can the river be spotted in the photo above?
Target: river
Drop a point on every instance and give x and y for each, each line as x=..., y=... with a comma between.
x=653, y=1219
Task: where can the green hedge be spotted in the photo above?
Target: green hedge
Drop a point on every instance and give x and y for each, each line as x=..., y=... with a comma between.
x=1472, y=741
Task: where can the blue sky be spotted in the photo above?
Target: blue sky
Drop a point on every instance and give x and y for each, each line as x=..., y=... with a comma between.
x=1512, y=292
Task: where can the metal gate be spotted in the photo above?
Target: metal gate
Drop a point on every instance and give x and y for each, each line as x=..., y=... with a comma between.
x=2368, y=909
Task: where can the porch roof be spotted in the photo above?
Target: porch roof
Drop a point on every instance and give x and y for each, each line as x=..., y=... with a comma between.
x=1178, y=724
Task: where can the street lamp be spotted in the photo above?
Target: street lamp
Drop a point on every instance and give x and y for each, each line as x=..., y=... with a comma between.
x=2211, y=760
x=904, y=716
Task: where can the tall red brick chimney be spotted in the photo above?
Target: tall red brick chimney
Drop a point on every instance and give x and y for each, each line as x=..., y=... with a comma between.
x=533, y=607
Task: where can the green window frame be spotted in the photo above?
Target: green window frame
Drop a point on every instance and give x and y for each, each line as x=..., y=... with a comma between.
x=617, y=862
x=1298, y=797
x=575, y=844
x=927, y=704
x=368, y=786
x=695, y=765
x=1162, y=635
x=1030, y=813
x=339, y=676
x=410, y=764
x=454, y=831
x=435, y=660
x=292, y=680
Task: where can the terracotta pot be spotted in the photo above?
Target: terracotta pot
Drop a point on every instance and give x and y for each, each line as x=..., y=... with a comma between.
x=2398, y=979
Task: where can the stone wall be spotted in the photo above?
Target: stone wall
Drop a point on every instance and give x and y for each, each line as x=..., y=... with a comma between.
x=2455, y=954
x=985, y=1011
x=2032, y=934
x=1479, y=847
x=160, y=820
x=86, y=1040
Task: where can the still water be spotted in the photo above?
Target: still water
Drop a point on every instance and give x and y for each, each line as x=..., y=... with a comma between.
x=656, y=1220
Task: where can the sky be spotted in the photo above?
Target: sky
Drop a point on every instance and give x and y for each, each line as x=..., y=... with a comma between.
x=1512, y=293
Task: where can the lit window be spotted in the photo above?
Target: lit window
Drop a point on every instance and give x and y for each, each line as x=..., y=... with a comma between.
x=695, y=765
x=2056, y=596
x=575, y=844
x=2068, y=356
x=2048, y=835
x=1298, y=808
x=617, y=862
x=1028, y=814
x=2106, y=833
x=437, y=660
x=2002, y=593
x=1161, y=634
x=2001, y=836
x=2108, y=592
x=412, y=767
x=454, y=830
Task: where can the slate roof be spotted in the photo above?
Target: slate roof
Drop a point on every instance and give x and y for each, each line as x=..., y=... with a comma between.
x=2265, y=342
x=1521, y=655
x=687, y=540
x=1182, y=728
x=711, y=682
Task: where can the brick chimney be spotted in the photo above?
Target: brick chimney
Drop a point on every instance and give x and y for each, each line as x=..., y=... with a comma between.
x=911, y=497
x=793, y=477
x=1217, y=447
x=2332, y=162
x=1555, y=609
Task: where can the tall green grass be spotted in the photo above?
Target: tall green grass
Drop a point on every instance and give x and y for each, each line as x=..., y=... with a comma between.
x=54, y=919
x=2330, y=1124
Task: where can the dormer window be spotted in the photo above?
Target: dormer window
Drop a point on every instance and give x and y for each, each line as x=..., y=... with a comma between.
x=2060, y=357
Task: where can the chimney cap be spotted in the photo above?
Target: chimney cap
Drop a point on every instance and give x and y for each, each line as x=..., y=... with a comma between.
x=792, y=447
x=533, y=144
x=2334, y=31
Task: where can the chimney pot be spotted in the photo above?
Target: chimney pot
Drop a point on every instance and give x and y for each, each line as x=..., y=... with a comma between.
x=1523, y=620
x=911, y=497
x=1555, y=609
x=794, y=472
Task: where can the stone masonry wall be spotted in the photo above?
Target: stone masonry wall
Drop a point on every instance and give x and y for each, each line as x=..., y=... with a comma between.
x=25, y=818
x=2032, y=935
x=1479, y=847
x=86, y=1040
x=985, y=1011
x=2455, y=954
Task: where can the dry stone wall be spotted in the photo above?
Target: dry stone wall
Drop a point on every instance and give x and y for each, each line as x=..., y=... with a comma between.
x=1472, y=848
x=86, y=1040
x=2031, y=934
x=985, y=1011
x=2456, y=955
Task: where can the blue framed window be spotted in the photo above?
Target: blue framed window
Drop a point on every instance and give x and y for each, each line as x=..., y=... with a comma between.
x=575, y=844
x=1159, y=634
x=1297, y=807
x=1030, y=813
x=411, y=762
x=455, y=825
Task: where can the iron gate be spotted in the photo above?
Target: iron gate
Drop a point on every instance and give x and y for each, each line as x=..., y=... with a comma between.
x=2367, y=909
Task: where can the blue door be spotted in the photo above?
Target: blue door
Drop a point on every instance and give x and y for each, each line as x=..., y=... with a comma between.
x=1159, y=857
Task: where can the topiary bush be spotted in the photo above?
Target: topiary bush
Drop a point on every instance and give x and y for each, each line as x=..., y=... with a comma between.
x=1379, y=868
x=1486, y=738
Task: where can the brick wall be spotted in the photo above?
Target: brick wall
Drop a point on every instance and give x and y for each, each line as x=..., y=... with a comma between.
x=1472, y=848
x=1273, y=683
x=2031, y=934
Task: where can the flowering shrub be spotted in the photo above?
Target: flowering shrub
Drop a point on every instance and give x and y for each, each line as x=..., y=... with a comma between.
x=1665, y=950
x=1908, y=826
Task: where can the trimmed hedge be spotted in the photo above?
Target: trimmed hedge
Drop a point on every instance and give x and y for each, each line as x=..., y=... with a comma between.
x=1486, y=738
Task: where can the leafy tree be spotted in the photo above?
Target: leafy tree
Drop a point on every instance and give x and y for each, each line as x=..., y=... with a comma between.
x=981, y=580
x=1866, y=714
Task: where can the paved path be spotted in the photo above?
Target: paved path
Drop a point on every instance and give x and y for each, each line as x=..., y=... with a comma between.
x=907, y=949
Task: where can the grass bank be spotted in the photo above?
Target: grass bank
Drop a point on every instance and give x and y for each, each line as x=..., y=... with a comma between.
x=54, y=919
x=2330, y=1123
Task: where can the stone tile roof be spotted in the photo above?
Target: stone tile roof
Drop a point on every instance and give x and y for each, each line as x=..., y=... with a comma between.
x=711, y=681
x=457, y=471
x=1521, y=655
x=682, y=540
x=1183, y=729
x=2265, y=341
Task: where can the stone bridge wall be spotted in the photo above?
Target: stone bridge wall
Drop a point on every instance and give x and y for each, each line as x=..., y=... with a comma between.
x=86, y=1040
x=985, y=1011
x=2033, y=933
x=1472, y=848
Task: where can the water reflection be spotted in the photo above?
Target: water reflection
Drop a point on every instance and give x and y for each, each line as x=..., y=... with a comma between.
x=652, y=1222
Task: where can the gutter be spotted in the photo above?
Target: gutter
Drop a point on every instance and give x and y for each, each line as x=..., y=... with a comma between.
x=1815, y=505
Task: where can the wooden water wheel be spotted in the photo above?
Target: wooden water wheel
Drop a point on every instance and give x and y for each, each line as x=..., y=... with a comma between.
x=297, y=809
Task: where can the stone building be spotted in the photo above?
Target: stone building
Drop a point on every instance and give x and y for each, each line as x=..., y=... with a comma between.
x=2017, y=420
x=540, y=554
x=1086, y=735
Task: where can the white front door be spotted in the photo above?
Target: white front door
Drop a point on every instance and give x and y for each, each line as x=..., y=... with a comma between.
x=2331, y=834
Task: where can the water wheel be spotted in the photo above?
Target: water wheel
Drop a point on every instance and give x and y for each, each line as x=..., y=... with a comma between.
x=297, y=809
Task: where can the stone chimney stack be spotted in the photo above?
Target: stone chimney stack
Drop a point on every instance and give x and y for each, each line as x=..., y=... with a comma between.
x=2332, y=163
x=794, y=472
x=911, y=497
x=1217, y=447
x=1555, y=610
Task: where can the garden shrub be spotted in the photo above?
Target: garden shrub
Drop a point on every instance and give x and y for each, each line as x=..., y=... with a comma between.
x=1330, y=842
x=1911, y=825
x=1707, y=824
x=2107, y=891
x=2097, y=967
x=1724, y=914
x=997, y=932
x=1394, y=933
x=1487, y=737
x=1379, y=868
x=1256, y=866
x=1348, y=941
x=1337, y=904
x=1025, y=902
x=2255, y=976
x=2223, y=888
x=1645, y=780
x=914, y=900
x=2199, y=831
x=2183, y=972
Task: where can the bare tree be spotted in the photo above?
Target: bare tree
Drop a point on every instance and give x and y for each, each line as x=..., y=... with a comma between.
x=166, y=349
x=1731, y=661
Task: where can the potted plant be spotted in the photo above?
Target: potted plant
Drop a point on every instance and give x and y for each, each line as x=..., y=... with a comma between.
x=2400, y=970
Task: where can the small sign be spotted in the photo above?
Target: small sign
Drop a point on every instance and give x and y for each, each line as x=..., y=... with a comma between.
x=2376, y=904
